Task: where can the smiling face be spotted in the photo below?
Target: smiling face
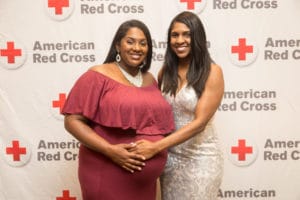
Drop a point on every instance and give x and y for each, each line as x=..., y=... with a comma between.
x=180, y=40
x=133, y=48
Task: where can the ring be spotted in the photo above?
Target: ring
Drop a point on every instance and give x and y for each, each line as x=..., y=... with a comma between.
x=132, y=143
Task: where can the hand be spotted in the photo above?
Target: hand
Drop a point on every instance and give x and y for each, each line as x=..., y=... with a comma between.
x=130, y=161
x=145, y=148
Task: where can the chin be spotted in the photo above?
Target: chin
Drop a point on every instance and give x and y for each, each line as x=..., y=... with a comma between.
x=182, y=56
x=136, y=64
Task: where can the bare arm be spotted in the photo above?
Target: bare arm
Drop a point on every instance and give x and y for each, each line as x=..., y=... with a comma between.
x=78, y=127
x=205, y=109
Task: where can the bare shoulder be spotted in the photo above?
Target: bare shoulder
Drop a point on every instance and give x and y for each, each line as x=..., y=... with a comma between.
x=160, y=73
x=148, y=78
x=105, y=69
x=148, y=75
x=215, y=78
x=216, y=72
x=216, y=69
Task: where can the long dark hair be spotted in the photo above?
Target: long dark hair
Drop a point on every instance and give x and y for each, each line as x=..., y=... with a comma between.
x=200, y=62
x=121, y=32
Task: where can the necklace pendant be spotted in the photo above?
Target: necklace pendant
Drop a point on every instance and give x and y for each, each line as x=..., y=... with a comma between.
x=134, y=80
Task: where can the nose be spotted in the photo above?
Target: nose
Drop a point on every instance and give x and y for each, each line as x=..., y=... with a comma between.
x=180, y=39
x=137, y=47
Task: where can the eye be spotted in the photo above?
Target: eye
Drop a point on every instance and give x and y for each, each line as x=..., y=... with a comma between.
x=143, y=43
x=187, y=34
x=130, y=41
x=174, y=35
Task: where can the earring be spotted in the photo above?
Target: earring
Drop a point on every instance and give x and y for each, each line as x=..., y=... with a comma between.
x=143, y=64
x=118, y=57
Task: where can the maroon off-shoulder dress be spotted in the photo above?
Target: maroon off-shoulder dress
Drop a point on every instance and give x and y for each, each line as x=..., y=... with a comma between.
x=120, y=114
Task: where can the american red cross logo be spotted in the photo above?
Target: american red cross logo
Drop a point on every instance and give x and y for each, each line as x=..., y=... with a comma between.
x=241, y=150
x=190, y=3
x=16, y=150
x=241, y=49
x=58, y=5
x=60, y=102
x=66, y=196
x=10, y=52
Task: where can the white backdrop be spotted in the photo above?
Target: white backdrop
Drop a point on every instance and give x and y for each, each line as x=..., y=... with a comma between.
x=44, y=48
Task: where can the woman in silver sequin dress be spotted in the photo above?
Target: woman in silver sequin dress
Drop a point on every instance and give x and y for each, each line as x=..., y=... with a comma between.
x=194, y=86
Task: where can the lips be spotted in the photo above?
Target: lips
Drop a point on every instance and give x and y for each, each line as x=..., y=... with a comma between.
x=136, y=56
x=181, y=49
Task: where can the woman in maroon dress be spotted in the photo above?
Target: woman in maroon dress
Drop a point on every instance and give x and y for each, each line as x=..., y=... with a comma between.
x=109, y=108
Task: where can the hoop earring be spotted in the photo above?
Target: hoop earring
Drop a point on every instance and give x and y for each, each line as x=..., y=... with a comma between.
x=118, y=57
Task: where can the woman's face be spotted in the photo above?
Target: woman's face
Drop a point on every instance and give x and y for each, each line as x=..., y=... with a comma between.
x=180, y=40
x=133, y=48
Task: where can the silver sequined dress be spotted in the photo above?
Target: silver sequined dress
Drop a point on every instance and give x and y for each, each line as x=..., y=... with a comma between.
x=194, y=168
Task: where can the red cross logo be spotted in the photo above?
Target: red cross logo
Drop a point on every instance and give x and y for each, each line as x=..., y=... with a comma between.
x=241, y=150
x=242, y=49
x=60, y=102
x=190, y=3
x=10, y=52
x=16, y=150
x=66, y=196
x=58, y=5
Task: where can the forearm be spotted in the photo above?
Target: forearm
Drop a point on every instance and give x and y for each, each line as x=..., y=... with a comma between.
x=86, y=135
x=180, y=135
x=118, y=153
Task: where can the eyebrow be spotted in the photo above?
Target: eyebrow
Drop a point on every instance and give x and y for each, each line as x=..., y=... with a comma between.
x=179, y=31
x=141, y=39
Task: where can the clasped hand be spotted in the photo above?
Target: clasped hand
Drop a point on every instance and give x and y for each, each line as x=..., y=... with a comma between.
x=132, y=156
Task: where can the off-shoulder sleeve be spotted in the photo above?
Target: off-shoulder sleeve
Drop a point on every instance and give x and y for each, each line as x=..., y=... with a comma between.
x=84, y=96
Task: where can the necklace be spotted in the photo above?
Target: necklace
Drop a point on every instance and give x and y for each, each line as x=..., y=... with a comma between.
x=136, y=80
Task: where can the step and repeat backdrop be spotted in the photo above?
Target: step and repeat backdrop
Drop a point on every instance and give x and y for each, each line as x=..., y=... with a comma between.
x=46, y=45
